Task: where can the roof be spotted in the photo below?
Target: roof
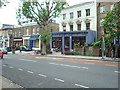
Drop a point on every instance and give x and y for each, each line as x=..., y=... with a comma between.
x=80, y=4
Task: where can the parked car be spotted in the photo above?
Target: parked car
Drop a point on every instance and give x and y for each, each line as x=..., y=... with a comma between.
x=1, y=54
x=8, y=49
x=3, y=50
x=25, y=48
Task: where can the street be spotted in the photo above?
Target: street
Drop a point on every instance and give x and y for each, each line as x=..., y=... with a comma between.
x=50, y=72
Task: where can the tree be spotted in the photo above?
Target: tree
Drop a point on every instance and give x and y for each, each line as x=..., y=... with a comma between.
x=111, y=25
x=3, y=3
x=42, y=13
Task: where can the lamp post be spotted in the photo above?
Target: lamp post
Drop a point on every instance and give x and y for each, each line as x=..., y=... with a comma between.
x=103, y=45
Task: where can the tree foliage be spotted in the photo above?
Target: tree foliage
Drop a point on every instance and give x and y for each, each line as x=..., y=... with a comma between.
x=111, y=24
x=45, y=35
x=42, y=13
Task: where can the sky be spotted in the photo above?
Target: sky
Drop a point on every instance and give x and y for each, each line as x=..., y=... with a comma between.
x=8, y=13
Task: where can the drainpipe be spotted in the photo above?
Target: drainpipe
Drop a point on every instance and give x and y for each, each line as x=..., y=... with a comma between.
x=8, y=41
x=39, y=43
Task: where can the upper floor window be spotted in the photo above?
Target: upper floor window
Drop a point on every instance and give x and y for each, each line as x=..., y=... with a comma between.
x=71, y=15
x=87, y=12
x=38, y=30
x=15, y=33
x=34, y=31
x=19, y=32
x=101, y=22
x=87, y=26
x=71, y=27
x=79, y=27
x=111, y=7
x=64, y=28
x=27, y=31
x=102, y=9
x=79, y=13
x=64, y=16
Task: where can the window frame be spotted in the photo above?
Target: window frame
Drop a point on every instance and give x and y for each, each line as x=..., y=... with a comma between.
x=64, y=16
x=87, y=14
x=71, y=15
x=78, y=27
x=102, y=9
x=87, y=27
x=79, y=13
x=72, y=27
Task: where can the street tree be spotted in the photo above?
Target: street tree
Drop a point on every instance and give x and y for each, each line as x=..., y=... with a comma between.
x=111, y=25
x=3, y=3
x=42, y=13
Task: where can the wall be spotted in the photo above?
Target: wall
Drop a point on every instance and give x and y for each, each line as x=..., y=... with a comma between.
x=83, y=17
x=101, y=15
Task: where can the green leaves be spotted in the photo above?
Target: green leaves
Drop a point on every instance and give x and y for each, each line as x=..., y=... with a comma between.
x=111, y=24
x=45, y=35
x=41, y=12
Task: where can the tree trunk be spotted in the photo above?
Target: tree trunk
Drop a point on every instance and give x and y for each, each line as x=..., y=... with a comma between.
x=43, y=48
x=116, y=51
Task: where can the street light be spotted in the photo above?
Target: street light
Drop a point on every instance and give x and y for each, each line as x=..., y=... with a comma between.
x=103, y=45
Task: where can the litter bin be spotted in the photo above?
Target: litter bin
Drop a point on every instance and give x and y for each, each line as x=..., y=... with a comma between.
x=13, y=51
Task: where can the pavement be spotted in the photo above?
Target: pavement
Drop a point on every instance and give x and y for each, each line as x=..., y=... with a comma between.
x=5, y=83
x=59, y=55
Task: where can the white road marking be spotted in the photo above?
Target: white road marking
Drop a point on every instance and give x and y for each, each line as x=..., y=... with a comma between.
x=10, y=67
x=28, y=60
x=88, y=63
x=117, y=71
x=7, y=57
x=20, y=69
x=78, y=85
x=60, y=80
x=4, y=65
x=42, y=75
x=30, y=72
x=68, y=65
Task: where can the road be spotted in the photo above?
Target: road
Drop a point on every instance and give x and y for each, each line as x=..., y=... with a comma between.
x=50, y=72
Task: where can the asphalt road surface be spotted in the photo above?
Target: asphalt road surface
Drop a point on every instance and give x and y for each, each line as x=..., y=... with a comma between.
x=54, y=73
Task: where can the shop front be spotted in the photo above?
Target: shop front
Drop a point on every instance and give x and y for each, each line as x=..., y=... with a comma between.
x=32, y=41
x=35, y=42
x=65, y=41
x=18, y=42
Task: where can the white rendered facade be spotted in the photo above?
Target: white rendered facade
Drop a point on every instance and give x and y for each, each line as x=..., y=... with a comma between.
x=83, y=19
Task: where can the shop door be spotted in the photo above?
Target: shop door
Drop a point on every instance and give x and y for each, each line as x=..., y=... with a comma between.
x=31, y=43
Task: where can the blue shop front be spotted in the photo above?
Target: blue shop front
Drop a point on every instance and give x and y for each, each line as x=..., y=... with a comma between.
x=65, y=41
x=31, y=41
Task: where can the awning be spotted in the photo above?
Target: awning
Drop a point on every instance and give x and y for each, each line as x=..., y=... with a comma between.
x=17, y=39
x=34, y=37
x=26, y=37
